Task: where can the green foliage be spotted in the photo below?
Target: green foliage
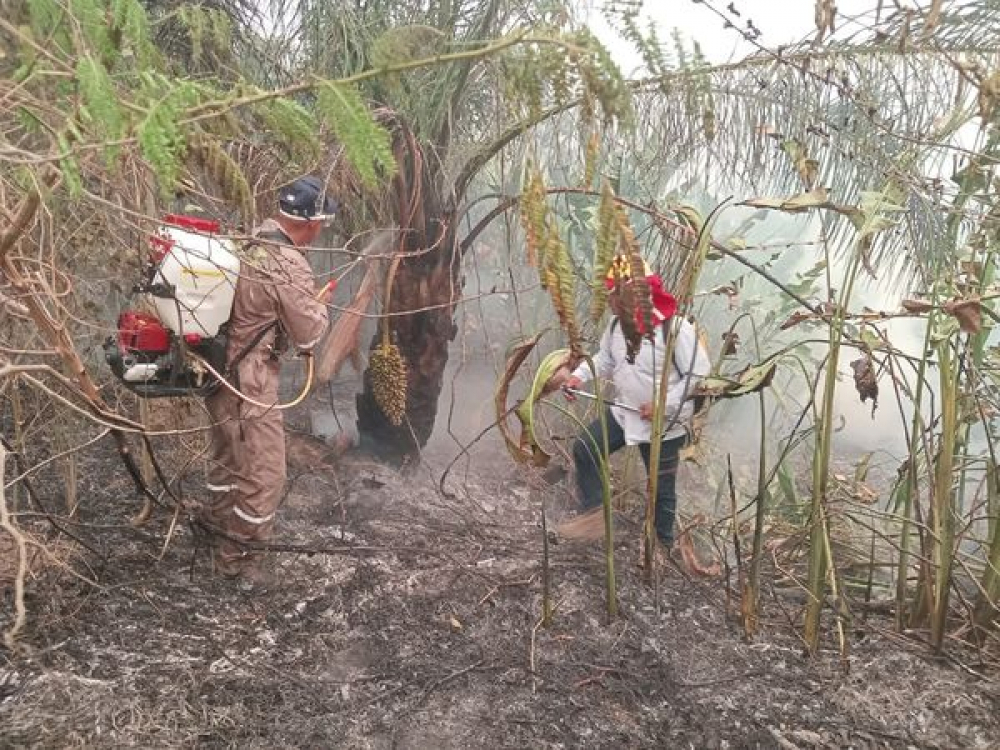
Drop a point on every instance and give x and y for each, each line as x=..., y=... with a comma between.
x=48, y=24
x=601, y=81
x=28, y=121
x=203, y=25
x=367, y=144
x=580, y=70
x=100, y=103
x=91, y=18
x=623, y=16
x=70, y=167
x=161, y=138
x=129, y=19
x=293, y=124
x=224, y=171
x=699, y=95
x=526, y=410
x=405, y=43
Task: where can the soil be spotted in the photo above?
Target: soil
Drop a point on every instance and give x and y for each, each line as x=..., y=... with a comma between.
x=416, y=623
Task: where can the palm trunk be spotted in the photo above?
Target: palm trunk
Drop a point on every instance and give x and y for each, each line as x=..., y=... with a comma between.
x=425, y=290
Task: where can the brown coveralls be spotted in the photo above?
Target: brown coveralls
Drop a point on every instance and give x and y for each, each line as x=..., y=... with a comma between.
x=246, y=470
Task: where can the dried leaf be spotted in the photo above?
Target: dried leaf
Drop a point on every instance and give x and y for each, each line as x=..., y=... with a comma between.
x=866, y=256
x=455, y=624
x=730, y=343
x=751, y=380
x=730, y=290
x=796, y=318
x=865, y=380
x=540, y=386
x=916, y=306
x=691, y=217
x=818, y=198
x=689, y=557
x=826, y=16
x=989, y=95
x=968, y=312
x=514, y=361
x=807, y=168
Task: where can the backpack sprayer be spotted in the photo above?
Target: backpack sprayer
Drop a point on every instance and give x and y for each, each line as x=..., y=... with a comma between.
x=174, y=341
x=181, y=308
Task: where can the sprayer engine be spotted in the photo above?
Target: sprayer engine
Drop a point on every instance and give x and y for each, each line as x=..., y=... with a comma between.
x=180, y=312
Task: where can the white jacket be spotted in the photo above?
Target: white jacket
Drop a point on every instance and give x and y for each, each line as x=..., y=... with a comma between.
x=635, y=384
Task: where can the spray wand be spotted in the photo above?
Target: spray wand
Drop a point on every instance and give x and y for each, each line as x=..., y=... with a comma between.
x=322, y=294
x=592, y=397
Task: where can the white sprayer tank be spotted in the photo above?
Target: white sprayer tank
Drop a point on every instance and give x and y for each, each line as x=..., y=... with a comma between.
x=202, y=271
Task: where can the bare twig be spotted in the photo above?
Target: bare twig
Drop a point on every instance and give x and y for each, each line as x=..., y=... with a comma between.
x=37, y=501
x=7, y=525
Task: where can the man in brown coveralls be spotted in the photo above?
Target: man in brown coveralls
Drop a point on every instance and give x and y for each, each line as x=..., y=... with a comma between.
x=275, y=303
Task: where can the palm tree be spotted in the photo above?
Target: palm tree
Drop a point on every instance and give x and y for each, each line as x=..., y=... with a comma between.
x=445, y=123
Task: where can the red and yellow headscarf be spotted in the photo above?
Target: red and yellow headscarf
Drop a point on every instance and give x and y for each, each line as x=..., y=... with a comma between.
x=663, y=301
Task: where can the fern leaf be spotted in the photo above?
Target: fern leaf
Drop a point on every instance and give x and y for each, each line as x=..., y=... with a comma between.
x=224, y=172
x=636, y=317
x=367, y=144
x=195, y=21
x=160, y=137
x=555, y=268
x=99, y=97
x=533, y=211
x=604, y=250
x=91, y=17
x=293, y=124
x=47, y=18
x=70, y=168
x=129, y=19
x=566, y=301
x=591, y=155
x=221, y=28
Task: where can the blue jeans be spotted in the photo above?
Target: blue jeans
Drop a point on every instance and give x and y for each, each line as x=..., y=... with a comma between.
x=588, y=473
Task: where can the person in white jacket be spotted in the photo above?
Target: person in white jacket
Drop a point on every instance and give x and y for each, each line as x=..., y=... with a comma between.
x=635, y=390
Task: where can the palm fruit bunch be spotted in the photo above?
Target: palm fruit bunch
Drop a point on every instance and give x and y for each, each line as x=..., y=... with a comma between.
x=388, y=374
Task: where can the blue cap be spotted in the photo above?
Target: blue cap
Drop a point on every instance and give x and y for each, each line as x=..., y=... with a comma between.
x=306, y=199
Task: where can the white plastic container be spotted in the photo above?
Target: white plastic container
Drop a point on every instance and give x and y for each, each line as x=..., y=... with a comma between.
x=202, y=271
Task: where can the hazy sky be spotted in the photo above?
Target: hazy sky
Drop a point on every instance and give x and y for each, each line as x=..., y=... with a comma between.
x=780, y=22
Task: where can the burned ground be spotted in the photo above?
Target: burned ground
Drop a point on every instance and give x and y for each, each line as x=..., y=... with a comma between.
x=419, y=627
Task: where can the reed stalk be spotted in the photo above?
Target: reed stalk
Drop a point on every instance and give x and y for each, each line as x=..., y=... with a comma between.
x=684, y=294
x=986, y=609
x=819, y=559
x=908, y=497
x=943, y=503
x=751, y=604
